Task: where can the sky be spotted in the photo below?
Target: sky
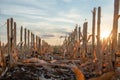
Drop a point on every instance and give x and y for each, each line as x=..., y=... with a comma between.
x=51, y=19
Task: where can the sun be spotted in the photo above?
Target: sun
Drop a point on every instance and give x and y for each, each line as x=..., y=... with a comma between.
x=105, y=34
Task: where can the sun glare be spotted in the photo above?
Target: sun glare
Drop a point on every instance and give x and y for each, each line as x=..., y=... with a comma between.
x=105, y=34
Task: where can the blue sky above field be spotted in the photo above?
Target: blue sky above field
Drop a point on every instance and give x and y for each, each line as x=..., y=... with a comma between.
x=54, y=17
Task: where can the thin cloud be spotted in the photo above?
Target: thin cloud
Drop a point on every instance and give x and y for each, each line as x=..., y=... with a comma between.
x=67, y=0
x=72, y=14
x=47, y=36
